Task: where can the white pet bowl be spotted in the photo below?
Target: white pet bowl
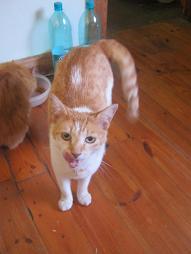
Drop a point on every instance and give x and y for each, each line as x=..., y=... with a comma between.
x=41, y=93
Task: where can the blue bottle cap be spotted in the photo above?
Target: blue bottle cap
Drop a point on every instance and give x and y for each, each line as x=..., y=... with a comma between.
x=57, y=6
x=89, y=4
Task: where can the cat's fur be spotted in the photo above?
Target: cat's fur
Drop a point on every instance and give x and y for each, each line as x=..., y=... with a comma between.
x=80, y=106
x=16, y=86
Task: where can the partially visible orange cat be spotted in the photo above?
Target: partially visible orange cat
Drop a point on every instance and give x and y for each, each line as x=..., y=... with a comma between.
x=80, y=112
x=16, y=86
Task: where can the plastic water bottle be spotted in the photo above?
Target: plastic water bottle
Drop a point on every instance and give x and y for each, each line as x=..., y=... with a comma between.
x=89, y=28
x=60, y=33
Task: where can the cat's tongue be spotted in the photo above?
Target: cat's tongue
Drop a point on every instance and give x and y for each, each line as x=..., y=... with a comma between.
x=71, y=160
x=73, y=164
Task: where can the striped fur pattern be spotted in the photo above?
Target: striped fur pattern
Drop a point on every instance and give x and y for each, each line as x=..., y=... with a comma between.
x=122, y=57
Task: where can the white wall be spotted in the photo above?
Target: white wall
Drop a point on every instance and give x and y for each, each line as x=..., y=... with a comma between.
x=24, y=27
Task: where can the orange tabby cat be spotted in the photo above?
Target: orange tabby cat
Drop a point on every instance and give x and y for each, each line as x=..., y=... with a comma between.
x=16, y=87
x=80, y=112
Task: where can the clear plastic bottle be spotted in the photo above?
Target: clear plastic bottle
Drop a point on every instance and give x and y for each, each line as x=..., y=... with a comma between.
x=60, y=31
x=89, y=28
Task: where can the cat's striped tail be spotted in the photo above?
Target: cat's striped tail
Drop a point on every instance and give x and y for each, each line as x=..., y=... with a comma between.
x=118, y=54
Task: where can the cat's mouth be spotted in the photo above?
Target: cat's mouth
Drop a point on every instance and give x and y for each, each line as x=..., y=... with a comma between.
x=72, y=161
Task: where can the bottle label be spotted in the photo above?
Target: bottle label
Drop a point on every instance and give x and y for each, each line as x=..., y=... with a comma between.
x=58, y=57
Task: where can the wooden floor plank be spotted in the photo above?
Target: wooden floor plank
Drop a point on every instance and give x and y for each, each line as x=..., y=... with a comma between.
x=152, y=53
x=117, y=235
x=17, y=232
x=162, y=95
x=142, y=192
x=159, y=150
x=59, y=230
x=159, y=210
x=24, y=161
x=129, y=208
x=44, y=217
x=182, y=86
x=161, y=121
x=4, y=168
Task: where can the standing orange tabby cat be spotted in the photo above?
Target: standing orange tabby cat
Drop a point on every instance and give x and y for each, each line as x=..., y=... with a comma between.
x=80, y=112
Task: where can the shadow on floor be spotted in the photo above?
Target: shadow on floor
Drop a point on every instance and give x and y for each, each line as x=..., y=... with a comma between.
x=124, y=14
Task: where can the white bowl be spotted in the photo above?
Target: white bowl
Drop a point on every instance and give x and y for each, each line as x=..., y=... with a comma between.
x=40, y=97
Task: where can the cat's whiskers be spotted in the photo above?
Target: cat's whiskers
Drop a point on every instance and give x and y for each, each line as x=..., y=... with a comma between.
x=107, y=164
x=103, y=169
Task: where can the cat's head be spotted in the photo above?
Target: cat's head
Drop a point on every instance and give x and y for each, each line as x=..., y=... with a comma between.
x=79, y=134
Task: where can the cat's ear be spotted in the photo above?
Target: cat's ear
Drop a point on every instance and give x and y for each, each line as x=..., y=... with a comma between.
x=105, y=116
x=57, y=107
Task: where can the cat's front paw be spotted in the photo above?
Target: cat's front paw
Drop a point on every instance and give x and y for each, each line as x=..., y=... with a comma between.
x=65, y=204
x=85, y=199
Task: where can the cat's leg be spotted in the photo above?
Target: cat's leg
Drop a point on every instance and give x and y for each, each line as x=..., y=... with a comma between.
x=84, y=197
x=64, y=183
x=66, y=199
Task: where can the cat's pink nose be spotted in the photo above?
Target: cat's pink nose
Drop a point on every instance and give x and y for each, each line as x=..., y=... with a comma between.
x=76, y=155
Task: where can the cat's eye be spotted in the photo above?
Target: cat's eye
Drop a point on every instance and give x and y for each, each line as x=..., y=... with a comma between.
x=90, y=139
x=66, y=136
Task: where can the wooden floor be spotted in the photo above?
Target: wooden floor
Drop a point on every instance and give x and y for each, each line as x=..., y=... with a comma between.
x=142, y=202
